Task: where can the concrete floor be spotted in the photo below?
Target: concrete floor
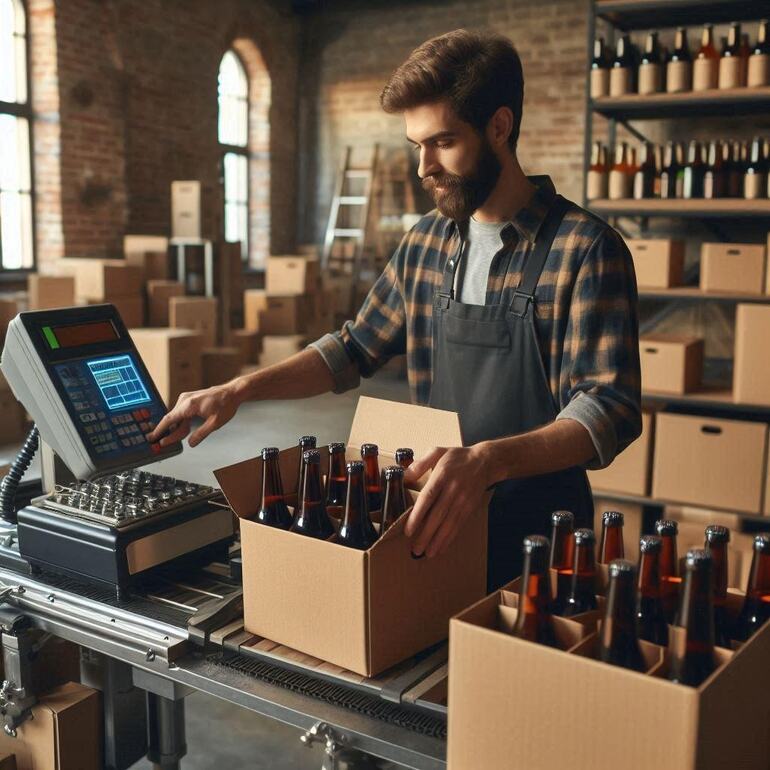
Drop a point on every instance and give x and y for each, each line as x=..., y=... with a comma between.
x=219, y=734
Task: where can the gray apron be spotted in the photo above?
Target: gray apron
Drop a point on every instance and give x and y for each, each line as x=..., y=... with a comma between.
x=487, y=367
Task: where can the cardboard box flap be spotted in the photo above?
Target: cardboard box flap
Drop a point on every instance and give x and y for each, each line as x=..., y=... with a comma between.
x=391, y=425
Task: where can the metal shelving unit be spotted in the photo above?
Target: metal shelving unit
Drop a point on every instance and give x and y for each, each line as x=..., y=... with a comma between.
x=629, y=15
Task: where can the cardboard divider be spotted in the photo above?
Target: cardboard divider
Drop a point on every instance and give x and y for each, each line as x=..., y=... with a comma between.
x=568, y=631
x=653, y=654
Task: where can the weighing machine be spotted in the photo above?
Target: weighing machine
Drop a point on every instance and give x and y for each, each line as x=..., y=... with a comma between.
x=142, y=571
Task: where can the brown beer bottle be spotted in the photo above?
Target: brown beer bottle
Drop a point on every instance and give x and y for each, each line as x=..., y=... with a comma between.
x=696, y=616
x=717, y=538
x=582, y=595
x=618, y=636
x=612, y=537
x=756, y=606
x=534, y=621
x=337, y=480
x=646, y=173
x=312, y=519
x=667, y=530
x=394, y=502
x=404, y=457
x=356, y=530
x=562, y=524
x=305, y=443
x=369, y=453
x=715, y=180
x=649, y=610
x=273, y=511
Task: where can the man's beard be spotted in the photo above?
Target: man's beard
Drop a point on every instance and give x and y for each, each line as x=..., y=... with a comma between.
x=462, y=195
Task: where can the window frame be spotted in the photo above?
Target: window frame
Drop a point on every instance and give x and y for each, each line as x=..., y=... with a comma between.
x=244, y=151
x=23, y=110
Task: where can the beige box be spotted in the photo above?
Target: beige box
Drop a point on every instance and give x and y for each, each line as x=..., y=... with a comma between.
x=173, y=359
x=286, y=315
x=394, y=605
x=248, y=343
x=186, y=209
x=516, y=704
x=159, y=294
x=658, y=262
x=286, y=275
x=629, y=472
x=149, y=253
x=709, y=462
x=254, y=303
x=11, y=418
x=65, y=732
x=671, y=363
x=102, y=278
x=751, y=369
x=220, y=365
x=278, y=348
x=50, y=291
x=131, y=309
x=197, y=313
x=732, y=267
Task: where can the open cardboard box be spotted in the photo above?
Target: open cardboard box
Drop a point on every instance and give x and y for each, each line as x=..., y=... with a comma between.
x=362, y=610
x=513, y=703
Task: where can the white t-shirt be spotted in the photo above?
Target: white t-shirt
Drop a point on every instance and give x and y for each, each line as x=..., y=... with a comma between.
x=473, y=275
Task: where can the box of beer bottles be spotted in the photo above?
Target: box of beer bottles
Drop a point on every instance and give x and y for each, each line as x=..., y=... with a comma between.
x=516, y=703
x=363, y=610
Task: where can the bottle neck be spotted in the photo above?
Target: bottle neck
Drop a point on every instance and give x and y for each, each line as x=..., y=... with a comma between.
x=612, y=543
x=535, y=592
x=707, y=37
x=697, y=613
x=561, y=548
x=337, y=466
x=395, y=501
x=719, y=559
x=584, y=564
x=621, y=602
x=734, y=38
x=272, y=488
x=312, y=496
x=668, y=558
x=355, y=501
x=649, y=575
x=759, y=579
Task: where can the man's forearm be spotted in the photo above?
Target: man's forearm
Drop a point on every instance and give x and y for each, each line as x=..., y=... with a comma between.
x=556, y=446
x=302, y=375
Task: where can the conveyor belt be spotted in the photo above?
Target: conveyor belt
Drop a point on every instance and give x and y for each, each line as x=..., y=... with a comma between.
x=335, y=694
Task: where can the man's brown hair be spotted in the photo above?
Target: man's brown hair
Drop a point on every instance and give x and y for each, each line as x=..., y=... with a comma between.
x=477, y=73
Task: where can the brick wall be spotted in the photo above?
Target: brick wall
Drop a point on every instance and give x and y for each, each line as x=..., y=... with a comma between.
x=137, y=108
x=351, y=49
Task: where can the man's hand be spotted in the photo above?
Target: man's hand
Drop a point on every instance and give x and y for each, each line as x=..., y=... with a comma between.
x=455, y=489
x=215, y=406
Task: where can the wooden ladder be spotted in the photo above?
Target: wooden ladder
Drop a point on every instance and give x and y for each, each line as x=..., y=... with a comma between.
x=354, y=211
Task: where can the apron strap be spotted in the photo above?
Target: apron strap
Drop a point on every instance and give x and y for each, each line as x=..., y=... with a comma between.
x=524, y=295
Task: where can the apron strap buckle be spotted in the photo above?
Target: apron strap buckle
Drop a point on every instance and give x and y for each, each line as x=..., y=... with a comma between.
x=521, y=303
x=442, y=300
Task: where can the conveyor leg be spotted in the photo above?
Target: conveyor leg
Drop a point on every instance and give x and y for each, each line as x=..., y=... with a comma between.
x=337, y=756
x=167, y=744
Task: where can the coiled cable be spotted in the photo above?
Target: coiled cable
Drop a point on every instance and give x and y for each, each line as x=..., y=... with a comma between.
x=10, y=484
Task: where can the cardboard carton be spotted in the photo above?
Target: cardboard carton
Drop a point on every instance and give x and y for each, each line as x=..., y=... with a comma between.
x=286, y=315
x=709, y=462
x=629, y=472
x=278, y=348
x=131, y=309
x=196, y=313
x=658, y=262
x=159, y=294
x=518, y=704
x=11, y=418
x=248, y=343
x=173, y=359
x=732, y=267
x=394, y=605
x=102, y=279
x=254, y=303
x=65, y=732
x=671, y=363
x=289, y=275
x=751, y=371
x=50, y=291
x=220, y=365
x=149, y=253
x=186, y=209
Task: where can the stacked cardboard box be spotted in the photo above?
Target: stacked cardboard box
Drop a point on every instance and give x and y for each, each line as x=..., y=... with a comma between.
x=658, y=262
x=173, y=359
x=751, y=370
x=671, y=363
x=110, y=281
x=395, y=605
x=219, y=365
x=159, y=294
x=248, y=343
x=50, y=291
x=149, y=253
x=196, y=313
x=732, y=267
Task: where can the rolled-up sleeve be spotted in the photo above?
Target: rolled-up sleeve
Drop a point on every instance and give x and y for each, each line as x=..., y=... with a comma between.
x=601, y=379
x=377, y=334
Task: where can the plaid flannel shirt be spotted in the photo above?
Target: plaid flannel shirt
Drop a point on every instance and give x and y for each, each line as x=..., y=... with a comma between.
x=585, y=316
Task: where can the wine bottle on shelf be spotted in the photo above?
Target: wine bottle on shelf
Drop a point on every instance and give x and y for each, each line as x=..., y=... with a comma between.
x=651, y=66
x=744, y=52
x=759, y=61
x=679, y=65
x=668, y=171
x=733, y=170
x=600, y=70
x=730, y=64
x=755, y=176
x=596, y=184
x=622, y=73
x=618, y=186
x=715, y=179
x=694, y=171
x=705, y=68
x=646, y=173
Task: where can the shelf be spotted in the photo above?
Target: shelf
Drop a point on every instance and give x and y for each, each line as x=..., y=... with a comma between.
x=694, y=293
x=624, y=497
x=720, y=208
x=733, y=101
x=708, y=398
x=653, y=14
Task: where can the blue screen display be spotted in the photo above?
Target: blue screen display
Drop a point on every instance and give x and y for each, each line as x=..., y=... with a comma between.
x=119, y=381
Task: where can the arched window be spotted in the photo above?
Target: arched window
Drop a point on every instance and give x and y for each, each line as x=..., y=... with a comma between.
x=16, y=249
x=234, y=140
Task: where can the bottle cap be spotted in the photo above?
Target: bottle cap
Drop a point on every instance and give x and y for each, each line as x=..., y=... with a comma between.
x=311, y=456
x=308, y=442
x=404, y=452
x=533, y=543
x=716, y=533
x=585, y=536
x=355, y=466
x=269, y=452
x=650, y=544
x=612, y=519
x=392, y=471
x=621, y=567
x=369, y=449
x=666, y=527
x=336, y=446
x=563, y=519
x=698, y=558
x=762, y=542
